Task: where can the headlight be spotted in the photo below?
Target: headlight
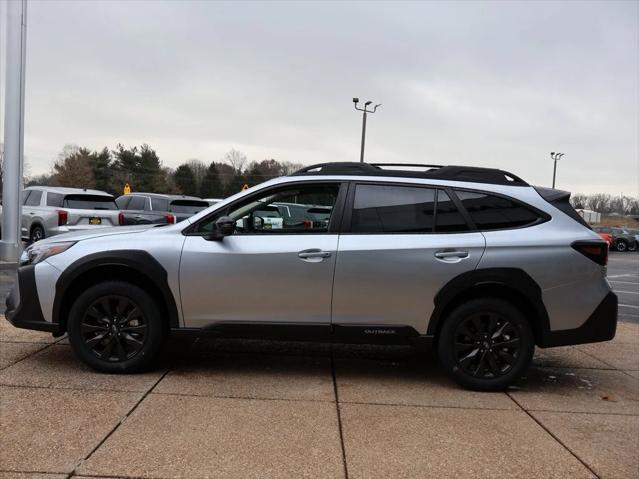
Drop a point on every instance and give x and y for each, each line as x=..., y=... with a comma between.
x=39, y=252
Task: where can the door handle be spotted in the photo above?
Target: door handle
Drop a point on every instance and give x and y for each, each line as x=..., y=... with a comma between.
x=451, y=254
x=313, y=253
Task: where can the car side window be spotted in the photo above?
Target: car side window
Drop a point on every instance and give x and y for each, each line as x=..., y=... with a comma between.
x=490, y=212
x=24, y=196
x=393, y=209
x=123, y=202
x=160, y=204
x=136, y=203
x=267, y=213
x=54, y=199
x=34, y=198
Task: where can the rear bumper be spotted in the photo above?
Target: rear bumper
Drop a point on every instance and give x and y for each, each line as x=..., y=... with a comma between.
x=600, y=326
x=23, y=304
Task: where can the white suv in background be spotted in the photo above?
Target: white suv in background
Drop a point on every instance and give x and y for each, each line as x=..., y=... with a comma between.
x=49, y=211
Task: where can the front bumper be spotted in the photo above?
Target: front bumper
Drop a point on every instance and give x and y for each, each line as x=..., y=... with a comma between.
x=600, y=326
x=23, y=304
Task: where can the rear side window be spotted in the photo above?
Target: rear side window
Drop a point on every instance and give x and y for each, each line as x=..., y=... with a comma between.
x=34, y=198
x=136, y=203
x=159, y=204
x=490, y=212
x=188, y=206
x=393, y=209
x=89, y=202
x=54, y=199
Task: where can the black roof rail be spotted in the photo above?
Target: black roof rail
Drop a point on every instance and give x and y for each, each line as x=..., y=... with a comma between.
x=436, y=172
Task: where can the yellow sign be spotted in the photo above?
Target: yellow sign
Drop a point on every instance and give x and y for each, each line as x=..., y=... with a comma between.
x=127, y=188
x=245, y=187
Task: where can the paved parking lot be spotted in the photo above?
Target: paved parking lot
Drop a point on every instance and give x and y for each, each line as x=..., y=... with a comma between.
x=271, y=409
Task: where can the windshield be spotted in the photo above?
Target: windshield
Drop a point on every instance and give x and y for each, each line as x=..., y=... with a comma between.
x=187, y=206
x=90, y=202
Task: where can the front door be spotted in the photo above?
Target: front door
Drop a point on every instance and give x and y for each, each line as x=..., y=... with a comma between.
x=400, y=246
x=275, y=269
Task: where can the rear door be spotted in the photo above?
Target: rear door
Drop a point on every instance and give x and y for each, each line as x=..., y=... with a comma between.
x=399, y=246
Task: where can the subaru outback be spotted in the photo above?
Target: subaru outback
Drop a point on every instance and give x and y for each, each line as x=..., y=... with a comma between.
x=473, y=262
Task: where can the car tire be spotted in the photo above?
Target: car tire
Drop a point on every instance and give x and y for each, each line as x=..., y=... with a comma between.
x=116, y=327
x=486, y=344
x=621, y=245
x=37, y=234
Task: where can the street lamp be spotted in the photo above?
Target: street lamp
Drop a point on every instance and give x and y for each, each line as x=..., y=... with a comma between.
x=365, y=111
x=556, y=157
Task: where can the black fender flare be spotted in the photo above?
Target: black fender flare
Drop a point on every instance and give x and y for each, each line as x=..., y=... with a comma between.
x=142, y=262
x=513, y=279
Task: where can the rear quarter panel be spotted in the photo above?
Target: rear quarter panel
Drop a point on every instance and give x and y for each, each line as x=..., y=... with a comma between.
x=572, y=285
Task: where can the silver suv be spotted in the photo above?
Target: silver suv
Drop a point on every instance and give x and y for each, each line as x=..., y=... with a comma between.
x=49, y=211
x=472, y=261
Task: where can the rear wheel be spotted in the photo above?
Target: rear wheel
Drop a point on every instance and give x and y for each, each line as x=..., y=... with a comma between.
x=37, y=234
x=486, y=344
x=115, y=327
x=621, y=245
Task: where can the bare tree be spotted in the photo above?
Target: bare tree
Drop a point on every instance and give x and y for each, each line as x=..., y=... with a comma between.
x=236, y=159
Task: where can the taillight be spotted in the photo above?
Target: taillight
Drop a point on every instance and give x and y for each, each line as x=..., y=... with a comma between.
x=597, y=251
x=170, y=219
x=63, y=217
x=308, y=224
x=120, y=218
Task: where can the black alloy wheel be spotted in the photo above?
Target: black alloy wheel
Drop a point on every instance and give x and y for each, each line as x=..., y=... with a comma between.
x=486, y=345
x=114, y=328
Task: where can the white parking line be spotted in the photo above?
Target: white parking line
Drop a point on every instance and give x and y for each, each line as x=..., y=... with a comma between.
x=624, y=282
x=629, y=306
x=623, y=275
x=627, y=292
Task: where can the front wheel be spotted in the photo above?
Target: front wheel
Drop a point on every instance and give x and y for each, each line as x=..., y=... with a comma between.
x=37, y=234
x=115, y=327
x=486, y=344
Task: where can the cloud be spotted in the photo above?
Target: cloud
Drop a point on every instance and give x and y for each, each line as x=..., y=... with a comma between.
x=486, y=83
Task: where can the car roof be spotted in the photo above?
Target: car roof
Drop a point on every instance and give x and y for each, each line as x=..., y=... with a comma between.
x=69, y=191
x=472, y=174
x=164, y=196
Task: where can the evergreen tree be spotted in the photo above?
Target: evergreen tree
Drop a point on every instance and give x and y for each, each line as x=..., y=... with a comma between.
x=185, y=180
x=211, y=184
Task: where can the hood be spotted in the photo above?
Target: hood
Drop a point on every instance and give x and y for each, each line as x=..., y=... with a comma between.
x=96, y=233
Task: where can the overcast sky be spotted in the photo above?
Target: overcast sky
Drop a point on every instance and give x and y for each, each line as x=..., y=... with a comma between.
x=479, y=83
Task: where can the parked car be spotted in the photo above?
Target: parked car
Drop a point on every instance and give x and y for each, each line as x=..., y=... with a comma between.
x=212, y=201
x=49, y=211
x=155, y=208
x=622, y=240
x=473, y=261
x=607, y=237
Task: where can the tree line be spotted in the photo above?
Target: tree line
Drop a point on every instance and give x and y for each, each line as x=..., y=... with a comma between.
x=606, y=204
x=140, y=167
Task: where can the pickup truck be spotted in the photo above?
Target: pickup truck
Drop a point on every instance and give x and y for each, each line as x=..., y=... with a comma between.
x=155, y=208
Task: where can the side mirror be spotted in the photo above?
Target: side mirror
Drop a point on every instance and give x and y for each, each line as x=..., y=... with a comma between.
x=224, y=226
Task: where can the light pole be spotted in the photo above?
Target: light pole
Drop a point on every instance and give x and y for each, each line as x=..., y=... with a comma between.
x=556, y=157
x=10, y=245
x=365, y=111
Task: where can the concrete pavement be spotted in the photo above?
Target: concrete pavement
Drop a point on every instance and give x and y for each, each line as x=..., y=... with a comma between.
x=272, y=409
